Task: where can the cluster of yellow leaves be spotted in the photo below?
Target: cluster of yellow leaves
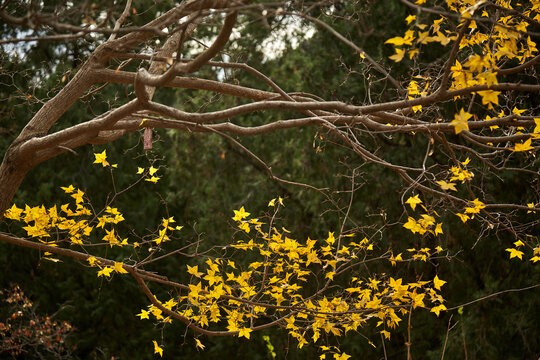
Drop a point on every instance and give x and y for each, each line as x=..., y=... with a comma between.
x=76, y=223
x=477, y=205
x=426, y=222
x=483, y=50
x=75, y=226
x=457, y=173
x=151, y=177
x=162, y=232
x=333, y=352
x=276, y=284
x=413, y=90
x=516, y=253
x=41, y=222
x=418, y=34
x=107, y=270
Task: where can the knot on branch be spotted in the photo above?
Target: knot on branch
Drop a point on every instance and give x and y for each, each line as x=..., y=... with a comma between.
x=141, y=79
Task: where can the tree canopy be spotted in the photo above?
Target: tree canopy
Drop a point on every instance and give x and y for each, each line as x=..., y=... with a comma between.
x=360, y=175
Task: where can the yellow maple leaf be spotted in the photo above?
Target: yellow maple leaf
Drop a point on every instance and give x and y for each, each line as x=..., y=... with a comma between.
x=240, y=214
x=437, y=283
x=157, y=348
x=398, y=56
x=194, y=270
x=144, y=314
x=515, y=253
x=68, y=190
x=101, y=158
x=438, y=309
x=13, y=213
x=517, y=111
x=199, y=344
x=460, y=121
x=153, y=179
x=105, y=271
x=489, y=97
x=537, y=126
x=523, y=146
x=119, y=268
x=245, y=332
x=413, y=201
x=341, y=356
x=409, y=19
x=91, y=260
x=447, y=185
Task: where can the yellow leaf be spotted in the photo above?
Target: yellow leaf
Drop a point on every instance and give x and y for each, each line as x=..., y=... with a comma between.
x=409, y=19
x=447, y=185
x=523, y=146
x=144, y=315
x=537, y=126
x=343, y=356
x=101, y=158
x=438, y=229
x=153, y=179
x=272, y=202
x=460, y=121
x=119, y=268
x=244, y=332
x=395, y=41
x=489, y=97
x=68, y=190
x=438, y=309
x=437, y=283
x=13, y=213
x=152, y=170
x=157, y=349
x=398, y=56
x=515, y=253
x=240, y=214
x=199, y=344
x=105, y=271
x=413, y=201
x=517, y=111
x=140, y=170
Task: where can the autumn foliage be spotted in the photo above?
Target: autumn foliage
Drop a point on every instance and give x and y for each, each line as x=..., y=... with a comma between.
x=466, y=100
